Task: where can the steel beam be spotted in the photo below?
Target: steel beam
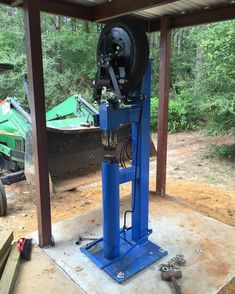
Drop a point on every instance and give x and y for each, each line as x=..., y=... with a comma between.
x=59, y=7
x=163, y=96
x=37, y=104
x=204, y=17
x=65, y=8
x=5, y=2
x=198, y=18
x=116, y=8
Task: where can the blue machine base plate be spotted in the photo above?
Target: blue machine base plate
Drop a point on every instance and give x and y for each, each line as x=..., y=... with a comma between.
x=134, y=257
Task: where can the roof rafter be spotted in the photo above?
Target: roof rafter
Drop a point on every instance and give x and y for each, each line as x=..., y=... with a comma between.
x=5, y=2
x=116, y=8
x=66, y=9
x=59, y=7
x=198, y=18
x=203, y=17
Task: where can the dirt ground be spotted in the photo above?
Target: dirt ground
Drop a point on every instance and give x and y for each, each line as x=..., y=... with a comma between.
x=194, y=180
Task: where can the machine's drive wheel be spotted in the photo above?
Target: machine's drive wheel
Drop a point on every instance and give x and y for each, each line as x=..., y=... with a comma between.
x=133, y=49
x=3, y=200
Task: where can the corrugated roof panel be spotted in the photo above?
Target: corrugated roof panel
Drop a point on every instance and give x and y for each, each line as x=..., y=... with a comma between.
x=88, y=2
x=178, y=7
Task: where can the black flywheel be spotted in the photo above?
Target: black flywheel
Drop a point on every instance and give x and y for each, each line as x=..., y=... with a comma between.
x=125, y=40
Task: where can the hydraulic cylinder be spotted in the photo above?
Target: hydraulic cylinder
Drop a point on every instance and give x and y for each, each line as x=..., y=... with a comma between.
x=111, y=207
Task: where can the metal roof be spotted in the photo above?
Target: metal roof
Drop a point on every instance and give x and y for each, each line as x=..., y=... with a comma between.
x=179, y=7
x=157, y=10
x=181, y=12
x=174, y=8
x=89, y=3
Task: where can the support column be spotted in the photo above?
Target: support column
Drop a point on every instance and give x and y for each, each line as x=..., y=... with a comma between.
x=37, y=104
x=140, y=187
x=163, y=96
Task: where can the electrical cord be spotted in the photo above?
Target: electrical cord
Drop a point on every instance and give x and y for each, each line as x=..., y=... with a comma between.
x=135, y=178
x=124, y=153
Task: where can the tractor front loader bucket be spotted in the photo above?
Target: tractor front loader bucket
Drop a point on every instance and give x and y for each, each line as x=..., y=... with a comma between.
x=73, y=154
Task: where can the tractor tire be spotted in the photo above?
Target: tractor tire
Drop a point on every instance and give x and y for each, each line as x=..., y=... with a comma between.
x=3, y=200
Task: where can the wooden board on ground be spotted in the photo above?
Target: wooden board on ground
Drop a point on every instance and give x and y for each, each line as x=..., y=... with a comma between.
x=9, y=274
x=6, y=238
x=3, y=260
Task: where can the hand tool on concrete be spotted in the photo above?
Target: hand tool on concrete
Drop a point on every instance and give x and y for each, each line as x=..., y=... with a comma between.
x=24, y=246
x=80, y=239
x=172, y=276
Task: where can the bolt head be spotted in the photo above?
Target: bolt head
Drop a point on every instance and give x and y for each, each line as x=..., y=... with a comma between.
x=199, y=250
x=161, y=250
x=121, y=275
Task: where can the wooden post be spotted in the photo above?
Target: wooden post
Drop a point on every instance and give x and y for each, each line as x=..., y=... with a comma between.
x=163, y=96
x=37, y=105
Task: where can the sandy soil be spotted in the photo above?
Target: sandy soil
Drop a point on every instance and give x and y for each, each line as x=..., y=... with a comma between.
x=194, y=180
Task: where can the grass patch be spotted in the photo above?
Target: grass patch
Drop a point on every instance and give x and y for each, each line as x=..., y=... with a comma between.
x=225, y=152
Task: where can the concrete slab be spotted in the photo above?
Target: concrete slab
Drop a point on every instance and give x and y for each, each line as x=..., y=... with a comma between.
x=42, y=275
x=177, y=229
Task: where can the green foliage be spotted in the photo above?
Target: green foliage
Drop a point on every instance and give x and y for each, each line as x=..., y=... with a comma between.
x=154, y=114
x=184, y=113
x=202, y=68
x=220, y=115
x=203, y=65
x=154, y=45
x=226, y=152
x=12, y=51
x=69, y=55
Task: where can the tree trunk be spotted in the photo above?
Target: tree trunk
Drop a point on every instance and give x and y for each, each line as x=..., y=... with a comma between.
x=197, y=72
x=86, y=26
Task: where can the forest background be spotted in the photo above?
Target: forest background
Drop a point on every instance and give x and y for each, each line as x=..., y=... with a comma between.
x=202, y=86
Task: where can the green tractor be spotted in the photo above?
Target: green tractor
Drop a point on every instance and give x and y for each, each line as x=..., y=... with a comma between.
x=69, y=128
x=74, y=143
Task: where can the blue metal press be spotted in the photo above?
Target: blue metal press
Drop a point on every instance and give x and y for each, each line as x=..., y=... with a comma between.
x=123, y=252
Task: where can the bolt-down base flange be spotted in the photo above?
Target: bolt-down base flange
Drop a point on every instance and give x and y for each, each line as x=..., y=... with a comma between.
x=134, y=257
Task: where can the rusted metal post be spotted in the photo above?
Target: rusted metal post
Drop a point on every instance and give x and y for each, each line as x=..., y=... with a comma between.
x=37, y=104
x=163, y=96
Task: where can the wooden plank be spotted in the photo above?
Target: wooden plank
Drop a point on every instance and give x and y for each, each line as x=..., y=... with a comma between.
x=163, y=96
x=6, y=238
x=3, y=260
x=9, y=274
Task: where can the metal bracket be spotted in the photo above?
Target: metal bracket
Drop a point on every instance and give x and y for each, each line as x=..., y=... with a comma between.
x=115, y=83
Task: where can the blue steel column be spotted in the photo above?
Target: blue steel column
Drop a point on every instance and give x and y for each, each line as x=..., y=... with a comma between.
x=141, y=201
x=111, y=209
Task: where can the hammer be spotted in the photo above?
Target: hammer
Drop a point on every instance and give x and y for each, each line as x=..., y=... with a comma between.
x=172, y=276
